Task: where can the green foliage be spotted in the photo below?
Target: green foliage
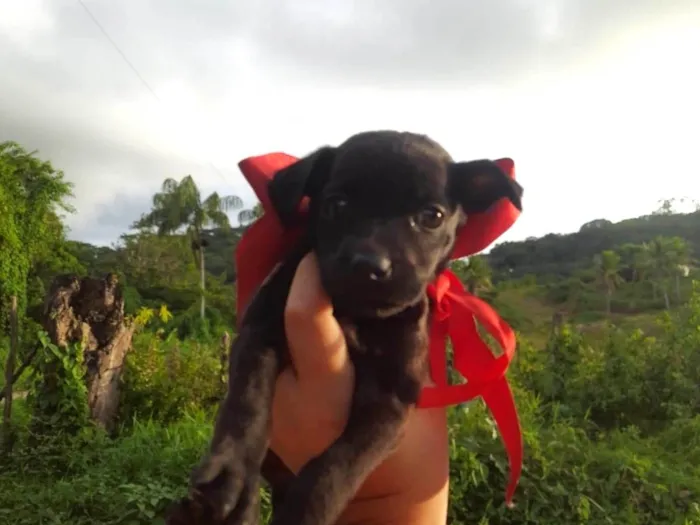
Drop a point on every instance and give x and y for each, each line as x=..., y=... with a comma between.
x=164, y=379
x=31, y=193
x=148, y=261
x=611, y=428
x=56, y=409
x=247, y=217
x=160, y=270
x=564, y=254
x=475, y=273
x=621, y=379
x=610, y=404
x=634, y=278
x=568, y=477
x=106, y=481
x=58, y=396
x=179, y=205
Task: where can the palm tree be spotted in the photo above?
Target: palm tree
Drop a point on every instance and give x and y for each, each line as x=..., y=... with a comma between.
x=475, y=273
x=247, y=217
x=608, y=266
x=636, y=257
x=671, y=256
x=679, y=260
x=179, y=205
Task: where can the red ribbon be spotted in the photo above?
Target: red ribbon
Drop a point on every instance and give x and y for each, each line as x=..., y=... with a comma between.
x=454, y=314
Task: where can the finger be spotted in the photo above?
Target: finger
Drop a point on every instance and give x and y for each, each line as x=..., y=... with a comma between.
x=315, y=338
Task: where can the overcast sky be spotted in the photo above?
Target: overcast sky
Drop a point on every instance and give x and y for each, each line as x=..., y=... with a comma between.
x=598, y=101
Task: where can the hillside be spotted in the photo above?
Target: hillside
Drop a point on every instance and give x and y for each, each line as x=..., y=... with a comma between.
x=563, y=255
x=551, y=255
x=534, y=279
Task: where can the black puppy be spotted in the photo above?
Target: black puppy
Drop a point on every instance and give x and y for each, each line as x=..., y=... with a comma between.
x=385, y=209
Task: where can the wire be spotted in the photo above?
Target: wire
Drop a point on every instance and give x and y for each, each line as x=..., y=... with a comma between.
x=134, y=70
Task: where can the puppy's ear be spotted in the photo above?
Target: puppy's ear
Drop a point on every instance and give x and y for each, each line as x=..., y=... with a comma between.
x=304, y=178
x=478, y=184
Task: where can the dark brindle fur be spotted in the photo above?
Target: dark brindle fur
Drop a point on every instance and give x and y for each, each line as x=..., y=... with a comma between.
x=385, y=208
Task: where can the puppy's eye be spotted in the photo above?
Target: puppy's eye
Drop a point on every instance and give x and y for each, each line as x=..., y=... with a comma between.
x=429, y=218
x=333, y=207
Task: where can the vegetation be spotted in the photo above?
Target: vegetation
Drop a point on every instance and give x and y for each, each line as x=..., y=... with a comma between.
x=607, y=377
x=179, y=205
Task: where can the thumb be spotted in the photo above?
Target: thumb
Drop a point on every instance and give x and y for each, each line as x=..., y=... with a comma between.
x=316, y=341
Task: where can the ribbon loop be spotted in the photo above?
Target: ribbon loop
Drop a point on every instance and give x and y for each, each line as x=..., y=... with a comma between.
x=456, y=313
x=436, y=292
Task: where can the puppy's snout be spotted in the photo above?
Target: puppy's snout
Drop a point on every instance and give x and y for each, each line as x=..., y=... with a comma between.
x=374, y=266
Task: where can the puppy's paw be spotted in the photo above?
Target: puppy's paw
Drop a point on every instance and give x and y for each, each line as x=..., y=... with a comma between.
x=197, y=510
x=191, y=511
x=219, y=481
x=223, y=492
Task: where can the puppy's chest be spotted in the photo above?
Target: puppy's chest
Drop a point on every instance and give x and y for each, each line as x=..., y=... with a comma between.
x=391, y=350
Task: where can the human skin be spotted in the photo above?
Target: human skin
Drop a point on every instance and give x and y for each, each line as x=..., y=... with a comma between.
x=310, y=409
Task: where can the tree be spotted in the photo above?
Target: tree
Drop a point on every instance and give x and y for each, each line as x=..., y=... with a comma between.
x=596, y=224
x=475, y=273
x=179, y=205
x=669, y=255
x=678, y=253
x=246, y=217
x=32, y=193
x=666, y=207
x=563, y=255
x=85, y=322
x=608, y=267
x=637, y=258
x=148, y=260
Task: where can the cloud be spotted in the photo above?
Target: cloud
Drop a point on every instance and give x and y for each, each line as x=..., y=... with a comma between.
x=234, y=78
x=116, y=178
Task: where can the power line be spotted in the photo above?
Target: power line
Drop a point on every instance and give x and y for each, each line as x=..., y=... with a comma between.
x=133, y=69
x=118, y=50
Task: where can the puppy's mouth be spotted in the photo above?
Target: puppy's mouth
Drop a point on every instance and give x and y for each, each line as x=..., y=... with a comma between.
x=356, y=295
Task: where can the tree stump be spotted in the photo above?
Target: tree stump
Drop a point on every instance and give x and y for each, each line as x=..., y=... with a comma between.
x=90, y=311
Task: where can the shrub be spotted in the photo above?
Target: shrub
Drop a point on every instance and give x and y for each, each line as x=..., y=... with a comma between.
x=567, y=477
x=164, y=379
x=130, y=480
x=620, y=378
x=611, y=422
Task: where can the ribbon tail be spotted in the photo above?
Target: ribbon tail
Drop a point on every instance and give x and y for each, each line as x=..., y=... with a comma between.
x=499, y=400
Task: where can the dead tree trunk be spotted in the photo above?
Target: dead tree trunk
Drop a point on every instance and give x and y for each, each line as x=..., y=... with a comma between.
x=90, y=311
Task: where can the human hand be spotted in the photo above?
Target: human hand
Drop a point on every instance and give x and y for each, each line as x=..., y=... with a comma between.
x=311, y=406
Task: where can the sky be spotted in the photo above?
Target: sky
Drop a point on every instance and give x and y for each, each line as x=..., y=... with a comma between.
x=597, y=101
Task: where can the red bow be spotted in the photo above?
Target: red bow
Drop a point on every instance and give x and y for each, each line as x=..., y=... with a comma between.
x=266, y=242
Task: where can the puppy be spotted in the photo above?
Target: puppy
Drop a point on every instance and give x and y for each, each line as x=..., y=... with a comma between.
x=384, y=211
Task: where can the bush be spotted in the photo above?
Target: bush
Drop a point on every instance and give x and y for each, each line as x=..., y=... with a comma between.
x=621, y=378
x=567, y=477
x=611, y=423
x=130, y=480
x=164, y=379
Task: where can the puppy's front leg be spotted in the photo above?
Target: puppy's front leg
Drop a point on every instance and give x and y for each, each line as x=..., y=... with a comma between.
x=225, y=487
x=326, y=484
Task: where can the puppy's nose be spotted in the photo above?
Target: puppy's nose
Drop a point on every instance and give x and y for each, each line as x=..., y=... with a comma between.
x=376, y=267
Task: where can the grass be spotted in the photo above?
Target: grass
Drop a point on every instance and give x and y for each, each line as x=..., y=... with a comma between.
x=577, y=468
x=100, y=480
x=527, y=310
